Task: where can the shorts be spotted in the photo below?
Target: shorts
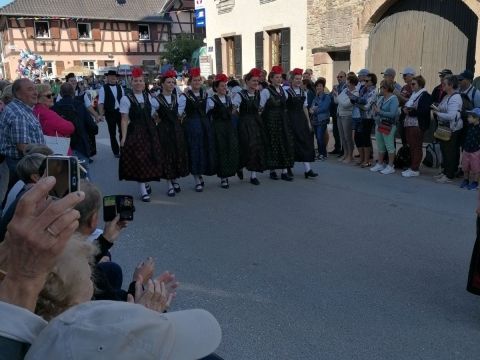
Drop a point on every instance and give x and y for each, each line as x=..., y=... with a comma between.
x=471, y=162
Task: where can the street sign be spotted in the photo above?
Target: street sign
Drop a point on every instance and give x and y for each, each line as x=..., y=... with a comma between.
x=206, y=65
x=199, y=4
x=200, y=18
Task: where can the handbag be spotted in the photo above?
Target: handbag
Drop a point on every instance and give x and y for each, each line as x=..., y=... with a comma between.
x=58, y=144
x=384, y=127
x=443, y=133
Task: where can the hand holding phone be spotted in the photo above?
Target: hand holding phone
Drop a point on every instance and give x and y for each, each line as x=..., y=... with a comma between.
x=118, y=204
x=66, y=171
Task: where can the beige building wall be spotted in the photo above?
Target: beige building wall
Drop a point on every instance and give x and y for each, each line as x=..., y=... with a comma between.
x=250, y=16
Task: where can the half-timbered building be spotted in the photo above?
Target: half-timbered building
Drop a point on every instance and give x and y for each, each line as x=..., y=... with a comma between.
x=96, y=34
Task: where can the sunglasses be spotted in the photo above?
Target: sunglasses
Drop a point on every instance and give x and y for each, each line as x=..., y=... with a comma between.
x=340, y=77
x=48, y=96
x=413, y=84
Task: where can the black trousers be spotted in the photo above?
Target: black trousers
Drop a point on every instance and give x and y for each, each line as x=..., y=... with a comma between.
x=451, y=154
x=114, y=121
x=336, y=135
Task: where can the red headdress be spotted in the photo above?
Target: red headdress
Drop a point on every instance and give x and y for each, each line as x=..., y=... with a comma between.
x=195, y=72
x=277, y=70
x=256, y=72
x=169, y=74
x=221, y=78
x=297, y=71
x=137, y=72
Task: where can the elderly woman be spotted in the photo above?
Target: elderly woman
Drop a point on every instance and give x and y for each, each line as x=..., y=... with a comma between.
x=448, y=115
x=345, y=116
x=52, y=124
x=320, y=112
x=219, y=109
x=417, y=121
x=385, y=115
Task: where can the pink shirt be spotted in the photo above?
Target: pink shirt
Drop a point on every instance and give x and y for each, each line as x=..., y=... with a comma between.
x=52, y=124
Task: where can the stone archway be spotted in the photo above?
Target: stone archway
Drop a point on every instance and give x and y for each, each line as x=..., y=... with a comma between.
x=372, y=12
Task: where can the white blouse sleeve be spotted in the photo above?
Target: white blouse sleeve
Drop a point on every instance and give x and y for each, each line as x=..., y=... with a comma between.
x=237, y=100
x=124, y=105
x=210, y=104
x=182, y=104
x=101, y=95
x=264, y=96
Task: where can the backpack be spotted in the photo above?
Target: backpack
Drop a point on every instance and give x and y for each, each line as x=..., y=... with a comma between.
x=70, y=114
x=433, y=156
x=467, y=105
x=403, y=158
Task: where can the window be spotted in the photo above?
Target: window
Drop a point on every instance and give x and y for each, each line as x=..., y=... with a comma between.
x=110, y=63
x=42, y=30
x=84, y=31
x=89, y=64
x=225, y=6
x=49, y=67
x=230, y=46
x=144, y=32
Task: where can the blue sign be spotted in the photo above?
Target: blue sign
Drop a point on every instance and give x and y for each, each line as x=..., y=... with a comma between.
x=200, y=18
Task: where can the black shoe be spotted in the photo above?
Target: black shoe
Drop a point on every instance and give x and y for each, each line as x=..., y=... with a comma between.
x=289, y=172
x=340, y=154
x=273, y=175
x=146, y=198
x=310, y=174
x=224, y=184
x=240, y=174
x=199, y=188
x=176, y=187
x=201, y=181
x=90, y=160
x=254, y=181
x=171, y=192
x=286, y=177
x=148, y=188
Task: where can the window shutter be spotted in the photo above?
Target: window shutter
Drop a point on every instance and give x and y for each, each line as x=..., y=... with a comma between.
x=60, y=67
x=285, y=49
x=135, y=36
x=153, y=31
x=72, y=30
x=218, y=55
x=237, y=42
x=29, y=28
x=259, y=50
x=55, y=29
x=101, y=63
x=96, y=32
x=77, y=63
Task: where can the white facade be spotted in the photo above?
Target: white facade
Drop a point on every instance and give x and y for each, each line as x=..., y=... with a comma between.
x=227, y=19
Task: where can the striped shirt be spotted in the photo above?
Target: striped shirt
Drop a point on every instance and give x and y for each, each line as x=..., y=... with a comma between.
x=18, y=125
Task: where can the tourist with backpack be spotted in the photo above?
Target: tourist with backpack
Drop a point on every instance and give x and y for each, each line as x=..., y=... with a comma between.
x=416, y=122
x=465, y=80
x=75, y=112
x=450, y=124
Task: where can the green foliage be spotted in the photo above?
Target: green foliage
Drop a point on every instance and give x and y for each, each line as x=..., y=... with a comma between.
x=182, y=47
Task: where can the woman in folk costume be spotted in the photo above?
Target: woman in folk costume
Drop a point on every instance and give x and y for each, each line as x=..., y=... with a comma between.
x=174, y=153
x=250, y=127
x=300, y=123
x=140, y=144
x=278, y=136
x=198, y=130
x=219, y=109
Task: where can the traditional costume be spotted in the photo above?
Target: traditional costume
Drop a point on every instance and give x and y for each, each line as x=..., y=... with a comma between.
x=219, y=109
x=250, y=130
x=140, y=154
x=279, y=142
x=198, y=132
x=174, y=154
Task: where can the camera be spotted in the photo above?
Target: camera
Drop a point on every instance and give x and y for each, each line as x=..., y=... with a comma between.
x=118, y=204
x=66, y=171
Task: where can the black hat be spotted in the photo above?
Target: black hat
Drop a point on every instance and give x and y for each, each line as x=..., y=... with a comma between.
x=467, y=74
x=445, y=72
x=112, y=72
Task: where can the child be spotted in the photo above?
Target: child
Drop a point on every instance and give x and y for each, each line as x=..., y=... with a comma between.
x=471, y=151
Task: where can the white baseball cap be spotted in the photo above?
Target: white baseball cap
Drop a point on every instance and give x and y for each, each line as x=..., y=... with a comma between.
x=124, y=331
x=409, y=71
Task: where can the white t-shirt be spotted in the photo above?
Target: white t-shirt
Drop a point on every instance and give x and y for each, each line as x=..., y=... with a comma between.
x=101, y=95
x=125, y=103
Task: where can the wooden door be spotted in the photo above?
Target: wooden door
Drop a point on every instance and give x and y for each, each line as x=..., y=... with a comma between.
x=422, y=40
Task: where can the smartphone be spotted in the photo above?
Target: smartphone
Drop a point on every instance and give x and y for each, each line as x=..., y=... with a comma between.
x=66, y=171
x=118, y=204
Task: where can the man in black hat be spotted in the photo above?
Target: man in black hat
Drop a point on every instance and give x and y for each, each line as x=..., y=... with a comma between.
x=465, y=86
x=438, y=94
x=109, y=106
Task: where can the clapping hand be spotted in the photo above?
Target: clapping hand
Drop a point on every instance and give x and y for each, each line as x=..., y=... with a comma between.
x=154, y=295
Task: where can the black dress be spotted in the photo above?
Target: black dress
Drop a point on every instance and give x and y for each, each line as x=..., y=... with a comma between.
x=278, y=137
x=140, y=156
x=250, y=132
x=174, y=153
x=226, y=141
x=473, y=283
x=303, y=138
x=199, y=134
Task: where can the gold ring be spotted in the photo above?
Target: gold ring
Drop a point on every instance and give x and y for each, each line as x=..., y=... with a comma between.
x=51, y=232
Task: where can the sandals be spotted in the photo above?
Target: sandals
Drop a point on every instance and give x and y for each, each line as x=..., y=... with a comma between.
x=171, y=192
x=176, y=187
x=146, y=198
x=199, y=187
x=365, y=165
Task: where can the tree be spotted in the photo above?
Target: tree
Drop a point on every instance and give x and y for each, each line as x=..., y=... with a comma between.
x=182, y=47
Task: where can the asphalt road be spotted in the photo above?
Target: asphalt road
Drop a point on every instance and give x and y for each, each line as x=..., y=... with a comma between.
x=351, y=265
